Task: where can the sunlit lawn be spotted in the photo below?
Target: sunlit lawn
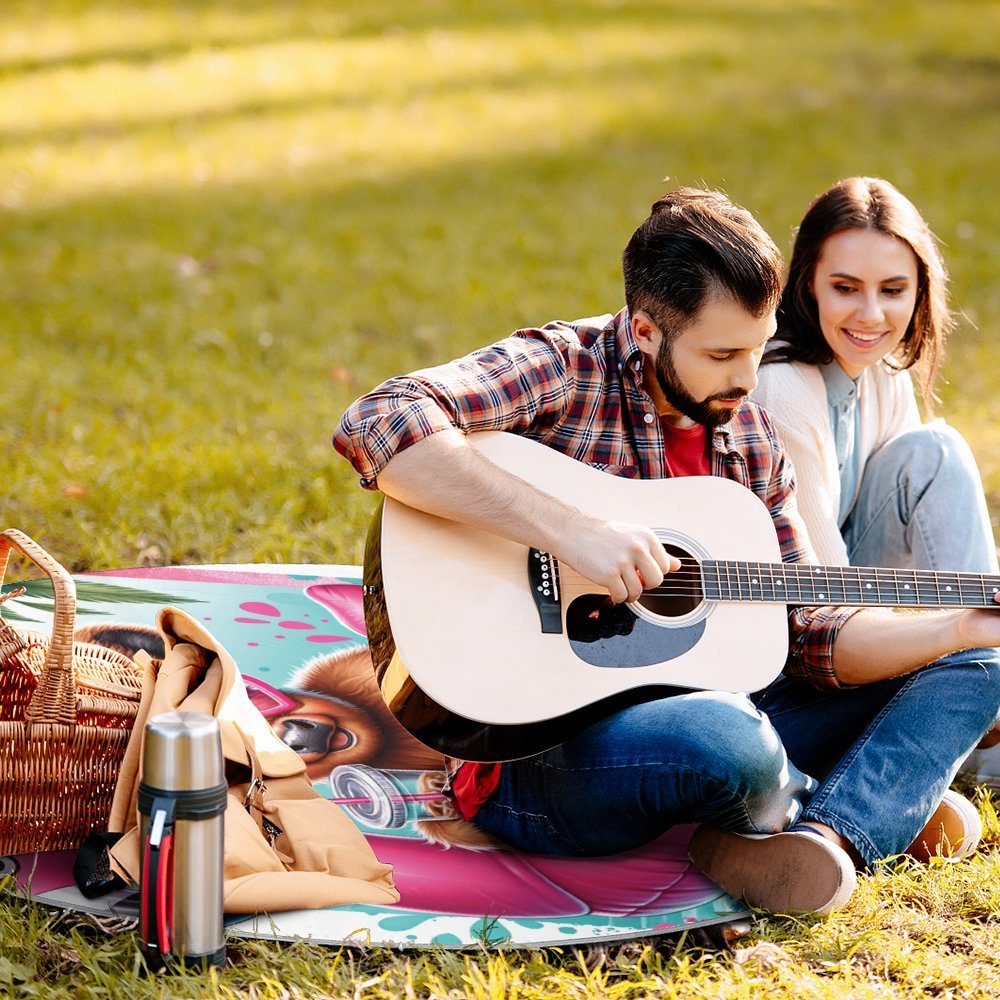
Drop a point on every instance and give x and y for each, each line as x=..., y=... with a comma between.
x=222, y=221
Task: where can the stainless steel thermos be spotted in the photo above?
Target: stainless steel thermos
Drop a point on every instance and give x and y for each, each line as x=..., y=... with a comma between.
x=182, y=799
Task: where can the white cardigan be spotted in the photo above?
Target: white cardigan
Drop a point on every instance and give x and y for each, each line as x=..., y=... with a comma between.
x=794, y=395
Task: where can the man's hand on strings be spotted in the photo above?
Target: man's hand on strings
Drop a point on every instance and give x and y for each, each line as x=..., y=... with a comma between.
x=624, y=558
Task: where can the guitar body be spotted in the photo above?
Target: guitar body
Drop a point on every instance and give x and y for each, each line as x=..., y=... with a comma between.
x=476, y=662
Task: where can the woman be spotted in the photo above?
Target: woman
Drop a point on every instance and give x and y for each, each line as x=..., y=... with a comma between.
x=865, y=304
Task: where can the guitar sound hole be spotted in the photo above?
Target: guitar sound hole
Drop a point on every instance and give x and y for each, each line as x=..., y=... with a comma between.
x=680, y=593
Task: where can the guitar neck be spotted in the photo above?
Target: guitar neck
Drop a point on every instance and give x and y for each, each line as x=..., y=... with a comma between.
x=801, y=583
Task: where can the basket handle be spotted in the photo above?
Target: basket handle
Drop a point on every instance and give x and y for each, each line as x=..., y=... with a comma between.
x=54, y=700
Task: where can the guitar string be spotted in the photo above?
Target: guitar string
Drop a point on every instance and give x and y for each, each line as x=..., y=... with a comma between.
x=810, y=571
x=688, y=581
x=806, y=573
x=833, y=599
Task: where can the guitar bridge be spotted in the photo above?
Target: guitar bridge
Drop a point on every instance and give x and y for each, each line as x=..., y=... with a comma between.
x=543, y=578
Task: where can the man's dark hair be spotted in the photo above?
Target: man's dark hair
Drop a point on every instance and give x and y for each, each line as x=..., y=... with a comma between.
x=694, y=244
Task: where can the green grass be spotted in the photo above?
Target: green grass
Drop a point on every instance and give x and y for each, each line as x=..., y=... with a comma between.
x=221, y=221
x=910, y=932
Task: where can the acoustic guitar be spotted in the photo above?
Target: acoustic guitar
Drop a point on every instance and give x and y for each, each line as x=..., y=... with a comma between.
x=485, y=649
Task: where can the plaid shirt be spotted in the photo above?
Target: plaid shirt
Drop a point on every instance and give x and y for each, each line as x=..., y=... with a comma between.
x=577, y=387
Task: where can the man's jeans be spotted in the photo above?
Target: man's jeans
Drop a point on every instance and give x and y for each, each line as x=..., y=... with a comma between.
x=697, y=756
x=883, y=755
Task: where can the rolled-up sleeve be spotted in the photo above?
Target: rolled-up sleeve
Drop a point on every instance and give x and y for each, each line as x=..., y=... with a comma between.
x=515, y=384
x=811, y=631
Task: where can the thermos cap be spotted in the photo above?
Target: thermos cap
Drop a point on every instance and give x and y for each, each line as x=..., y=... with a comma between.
x=182, y=752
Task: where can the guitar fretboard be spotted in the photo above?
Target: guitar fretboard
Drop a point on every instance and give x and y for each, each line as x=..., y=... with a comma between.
x=792, y=583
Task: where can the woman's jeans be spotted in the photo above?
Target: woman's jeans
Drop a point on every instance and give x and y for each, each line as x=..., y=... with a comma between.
x=920, y=505
x=872, y=762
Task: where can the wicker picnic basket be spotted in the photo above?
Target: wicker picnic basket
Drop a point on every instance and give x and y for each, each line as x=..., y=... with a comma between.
x=66, y=711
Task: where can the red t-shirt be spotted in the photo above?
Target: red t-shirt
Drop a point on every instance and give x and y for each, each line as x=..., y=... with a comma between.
x=686, y=455
x=686, y=450
x=472, y=785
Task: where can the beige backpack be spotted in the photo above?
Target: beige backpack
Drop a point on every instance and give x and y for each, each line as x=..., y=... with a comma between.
x=286, y=847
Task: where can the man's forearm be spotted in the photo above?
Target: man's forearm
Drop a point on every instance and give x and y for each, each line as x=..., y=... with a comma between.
x=444, y=475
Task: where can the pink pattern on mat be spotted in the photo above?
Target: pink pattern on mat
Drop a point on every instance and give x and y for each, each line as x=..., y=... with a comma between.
x=647, y=880
x=344, y=600
x=196, y=574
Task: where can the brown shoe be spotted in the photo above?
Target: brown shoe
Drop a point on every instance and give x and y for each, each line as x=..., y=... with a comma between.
x=789, y=872
x=953, y=832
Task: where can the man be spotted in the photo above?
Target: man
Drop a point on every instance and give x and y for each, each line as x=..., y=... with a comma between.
x=851, y=750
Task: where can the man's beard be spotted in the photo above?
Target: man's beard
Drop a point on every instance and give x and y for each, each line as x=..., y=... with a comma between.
x=680, y=399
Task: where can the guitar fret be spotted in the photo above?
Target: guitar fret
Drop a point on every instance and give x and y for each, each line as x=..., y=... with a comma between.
x=729, y=583
x=732, y=591
x=867, y=586
x=715, y=581
x=789, y=576
x=778, y=588
x=991, y=587
x=706, y=568
x=723, y=584
x=969, y=588
x=767, y=584
x=808, y=589
x=798, y=597
x=926, y=596
x=830, y=594
x=851, y=585
x=844, y=585
x=813, y=585
x=909, y=592
x=949, y=589
x=771, y=595
x=766, y=589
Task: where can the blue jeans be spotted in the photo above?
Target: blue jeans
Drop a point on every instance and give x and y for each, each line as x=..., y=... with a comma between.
x=885, y=752
x=708, y=757
x=921, y=506
x=872, y=762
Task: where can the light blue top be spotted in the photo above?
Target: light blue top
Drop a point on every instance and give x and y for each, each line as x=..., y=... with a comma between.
x=842, y=402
